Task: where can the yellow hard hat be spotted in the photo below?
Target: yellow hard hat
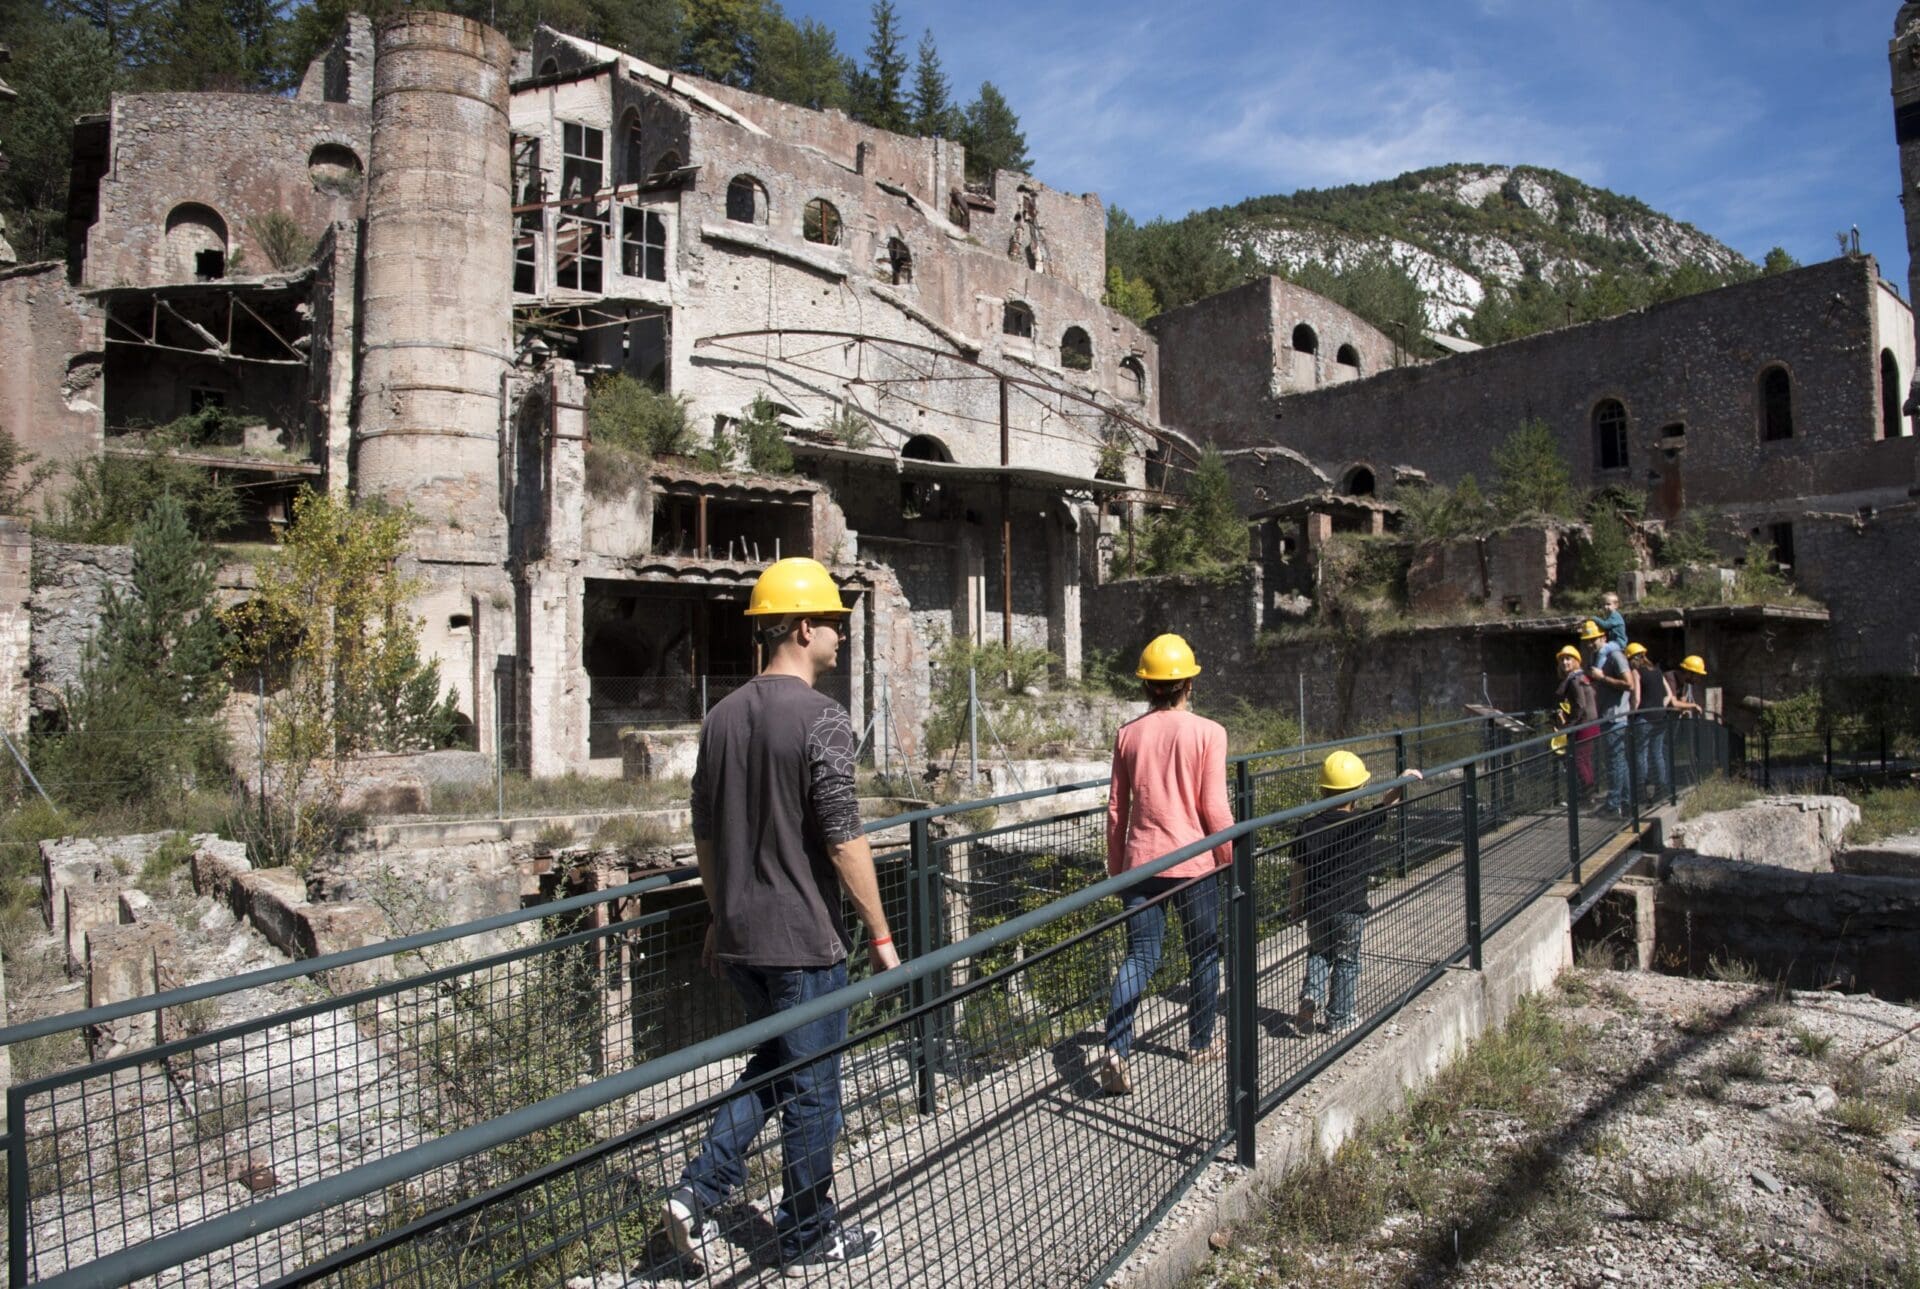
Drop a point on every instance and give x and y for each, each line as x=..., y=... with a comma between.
x=1635, y=650
x=794, y=585
x=1694, y=663
x=1167, y=657
x=1569, y=651
x=1559, y=744
x=1590, y=630
x=1342, y=771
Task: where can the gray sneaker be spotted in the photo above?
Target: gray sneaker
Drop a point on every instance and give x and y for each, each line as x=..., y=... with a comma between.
x=1303, y=1019
x=842, y=1245
x=687, y=1231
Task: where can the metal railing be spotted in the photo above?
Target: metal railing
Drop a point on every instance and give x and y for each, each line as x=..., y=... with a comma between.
x=508, y=1100
x=1816, y=759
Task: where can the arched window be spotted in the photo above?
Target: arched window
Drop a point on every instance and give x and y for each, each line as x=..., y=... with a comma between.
x=550, y=67
x=746, y=200
x=1304, y=341
x=1776, y=404
x=1892, y=424
x=1609, y=435
x=820, y=222
x=196, y=242
x=633, y=153
x=924, y=447
x=1360, y=482
x=1133, y=379
x=668, y=163
x=1076, y=350
x=335, y=168
x=1016, y=319
x=1348, y=356
x=896, y=264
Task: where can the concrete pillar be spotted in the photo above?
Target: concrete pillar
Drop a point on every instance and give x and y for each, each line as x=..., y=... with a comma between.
x=969, y=584
x=333, y=354
x=1063, y=588
x=1316, y=530
x=552, y=604
x=861, y=697
x=16, y=622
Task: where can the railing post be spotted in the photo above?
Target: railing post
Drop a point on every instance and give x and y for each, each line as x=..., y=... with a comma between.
x=929, y=1034
x=1470, y=853
x=1243, y=1045
x=1573, y=811
x=1636, y=731
x=19, y=1188
x=703, y=698
x=1826, y=782
x=1673, y=770
x=1883, y=747
x=1766, y=759
x=1242, y=791
x=1399, y=771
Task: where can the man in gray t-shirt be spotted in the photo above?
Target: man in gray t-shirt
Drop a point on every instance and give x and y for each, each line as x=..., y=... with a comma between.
x=777, y=834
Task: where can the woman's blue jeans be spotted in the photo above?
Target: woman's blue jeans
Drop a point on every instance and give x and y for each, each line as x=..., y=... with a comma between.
x=1198, y=902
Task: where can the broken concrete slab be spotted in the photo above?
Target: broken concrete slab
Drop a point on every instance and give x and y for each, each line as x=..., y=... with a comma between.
x=122, y=963
x=135, y=906
x=88, y=908
x=268, y=898
x=215, y=865
x=1893, y=857
x=1800, y=833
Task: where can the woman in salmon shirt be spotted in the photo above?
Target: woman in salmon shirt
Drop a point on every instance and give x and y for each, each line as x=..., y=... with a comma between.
x=1169, y=790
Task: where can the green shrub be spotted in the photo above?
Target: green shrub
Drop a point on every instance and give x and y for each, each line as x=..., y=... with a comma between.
x=109, y=495
x=1531, y=474
x=1686, y=542
x=629, y=423
x=766, y=438
x=1206, y=533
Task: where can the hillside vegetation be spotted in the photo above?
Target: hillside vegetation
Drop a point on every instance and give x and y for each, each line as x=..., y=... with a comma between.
x=1486, y=252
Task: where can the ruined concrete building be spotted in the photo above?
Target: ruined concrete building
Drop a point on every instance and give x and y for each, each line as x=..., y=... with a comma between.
x=491, y=230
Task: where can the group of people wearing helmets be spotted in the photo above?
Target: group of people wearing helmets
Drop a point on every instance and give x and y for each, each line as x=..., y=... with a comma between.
x=778, y=841
x=1612, y=690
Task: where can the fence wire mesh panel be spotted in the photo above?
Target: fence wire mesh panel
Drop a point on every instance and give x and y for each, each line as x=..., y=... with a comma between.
x=364, y=1118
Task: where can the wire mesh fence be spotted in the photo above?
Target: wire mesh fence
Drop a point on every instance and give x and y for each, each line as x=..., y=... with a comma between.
x=514, y=1101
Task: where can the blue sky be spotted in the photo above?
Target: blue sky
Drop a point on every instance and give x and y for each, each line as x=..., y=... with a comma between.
x=1763, y=122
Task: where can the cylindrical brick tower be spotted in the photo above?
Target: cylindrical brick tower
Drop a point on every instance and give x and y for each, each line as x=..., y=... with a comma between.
x=437, y=295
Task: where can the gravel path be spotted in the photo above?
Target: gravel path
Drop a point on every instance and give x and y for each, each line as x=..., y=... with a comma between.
x=1633, y=1129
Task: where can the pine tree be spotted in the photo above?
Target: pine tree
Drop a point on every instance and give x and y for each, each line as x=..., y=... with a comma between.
x=62, y=71
x=802, y=64
x=141, y=721
x=1532, y=475
x=718, y=40
x=933, y=110
x=878, y=99
x=1205, y=533
x=993, y=137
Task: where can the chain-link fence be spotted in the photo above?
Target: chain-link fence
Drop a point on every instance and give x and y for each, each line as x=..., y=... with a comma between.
x=513, y=1101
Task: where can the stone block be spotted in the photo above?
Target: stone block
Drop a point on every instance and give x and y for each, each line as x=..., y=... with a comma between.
x=135, y=906
x=125, y=962
x=269, y=898
x=335, y=928
x=1800, y=833
x=88, y=908
x=215, y=865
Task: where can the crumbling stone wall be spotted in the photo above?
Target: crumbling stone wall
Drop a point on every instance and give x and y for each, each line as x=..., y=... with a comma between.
x=1866, y=570
x=70, y=585
x=241, y=155
x=50, y=368
x=1514, y=569
x=1228, y=359
x=1692, y=362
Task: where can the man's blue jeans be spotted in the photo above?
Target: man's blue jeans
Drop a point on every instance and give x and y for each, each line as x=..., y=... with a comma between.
x=1618, y=789
x=808, y=1099
x=1198, y=902
x=1333, y=948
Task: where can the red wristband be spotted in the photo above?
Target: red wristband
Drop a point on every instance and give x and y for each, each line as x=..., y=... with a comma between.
x=885, y=939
